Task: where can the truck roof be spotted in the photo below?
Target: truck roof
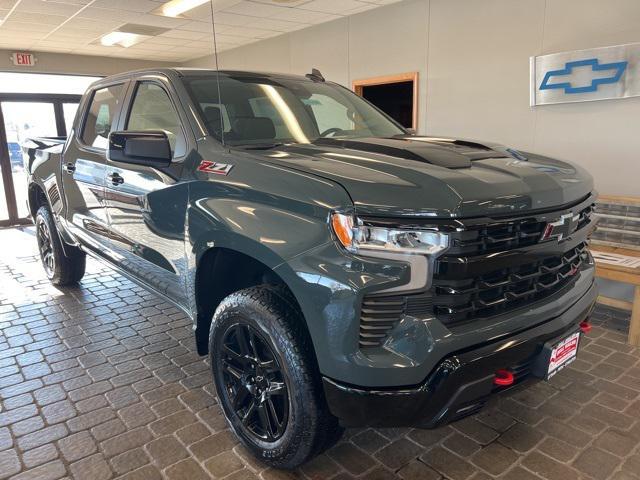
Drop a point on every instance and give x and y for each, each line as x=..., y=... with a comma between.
x=193, y=72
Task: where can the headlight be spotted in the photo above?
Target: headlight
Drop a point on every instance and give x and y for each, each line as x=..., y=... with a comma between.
x=363, y=238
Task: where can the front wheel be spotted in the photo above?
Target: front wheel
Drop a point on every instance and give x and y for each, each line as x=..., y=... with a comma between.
x=267, y=380
x=61, y=268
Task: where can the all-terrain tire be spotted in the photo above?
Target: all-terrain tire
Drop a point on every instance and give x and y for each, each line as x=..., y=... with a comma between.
x=63, y=266
x=276, y=320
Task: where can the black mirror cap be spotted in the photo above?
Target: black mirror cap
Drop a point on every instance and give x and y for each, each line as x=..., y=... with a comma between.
x=149, y=148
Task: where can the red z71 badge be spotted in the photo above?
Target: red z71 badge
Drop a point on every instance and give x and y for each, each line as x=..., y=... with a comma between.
x=208, y=166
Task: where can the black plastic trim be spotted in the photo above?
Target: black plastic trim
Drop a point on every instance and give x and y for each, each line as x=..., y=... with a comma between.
x=458, y=386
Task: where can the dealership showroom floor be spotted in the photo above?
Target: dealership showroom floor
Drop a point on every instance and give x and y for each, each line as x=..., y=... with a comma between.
x=101, y=381
x=303, y=220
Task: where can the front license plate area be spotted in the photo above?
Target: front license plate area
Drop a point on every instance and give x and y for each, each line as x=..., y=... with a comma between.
x=556, y=355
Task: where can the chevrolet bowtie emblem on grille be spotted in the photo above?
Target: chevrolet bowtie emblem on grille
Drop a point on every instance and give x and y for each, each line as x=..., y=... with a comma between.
x=561, y=228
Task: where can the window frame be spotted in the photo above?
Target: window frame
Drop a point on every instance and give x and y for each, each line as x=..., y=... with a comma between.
x=90, y=95
x=131, y=98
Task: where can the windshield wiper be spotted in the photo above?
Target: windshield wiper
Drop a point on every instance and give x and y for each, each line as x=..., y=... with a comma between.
x=260, y=146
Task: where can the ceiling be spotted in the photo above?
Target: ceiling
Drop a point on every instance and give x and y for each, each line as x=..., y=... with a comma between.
x=76, y=26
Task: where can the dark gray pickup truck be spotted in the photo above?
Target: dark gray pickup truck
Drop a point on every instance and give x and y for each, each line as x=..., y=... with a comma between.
x=339, y=270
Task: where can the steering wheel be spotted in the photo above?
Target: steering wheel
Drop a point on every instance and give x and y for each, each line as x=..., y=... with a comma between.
x=329, y=131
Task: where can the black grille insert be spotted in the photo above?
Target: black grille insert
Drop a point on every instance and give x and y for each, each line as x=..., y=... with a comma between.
x=506, y=235
x=505, y=289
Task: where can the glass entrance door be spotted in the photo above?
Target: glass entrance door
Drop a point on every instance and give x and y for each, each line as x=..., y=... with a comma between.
x=23, y=120
x=20, y=119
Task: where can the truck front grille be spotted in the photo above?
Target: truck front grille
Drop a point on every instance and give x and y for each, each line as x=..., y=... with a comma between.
x=505, y=289
x=506, y=235
x=491, y=268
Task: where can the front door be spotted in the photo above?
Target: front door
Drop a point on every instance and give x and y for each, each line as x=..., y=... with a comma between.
x=147, y=206
x=84, y=169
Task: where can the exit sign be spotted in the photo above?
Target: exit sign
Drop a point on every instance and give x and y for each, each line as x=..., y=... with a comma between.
x=23, y=59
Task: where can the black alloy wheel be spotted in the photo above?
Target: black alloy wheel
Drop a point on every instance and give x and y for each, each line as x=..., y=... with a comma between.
x=254, y=383
x=62, y=265
x=267, y=379
x=45, y=247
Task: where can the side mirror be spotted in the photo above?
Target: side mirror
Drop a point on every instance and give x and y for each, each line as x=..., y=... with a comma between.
x=149, y=148
x=411, y=131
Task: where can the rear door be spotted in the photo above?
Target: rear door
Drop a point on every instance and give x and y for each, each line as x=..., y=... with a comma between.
x=147, y=206
x=84, y=166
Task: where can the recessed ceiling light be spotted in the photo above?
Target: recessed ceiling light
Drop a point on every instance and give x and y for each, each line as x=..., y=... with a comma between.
x=122, y=39
x=129, y=34
x=175, y=8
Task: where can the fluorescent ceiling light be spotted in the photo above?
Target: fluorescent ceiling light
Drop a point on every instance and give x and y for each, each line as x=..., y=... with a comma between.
x=175, y=8
x=123, y=39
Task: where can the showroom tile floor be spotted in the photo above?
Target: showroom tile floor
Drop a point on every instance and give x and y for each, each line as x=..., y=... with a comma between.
x=101, y=381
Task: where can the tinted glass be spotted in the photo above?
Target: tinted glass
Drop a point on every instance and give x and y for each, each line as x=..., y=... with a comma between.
x=152, y=110
x=260, y=110
x=100, y=118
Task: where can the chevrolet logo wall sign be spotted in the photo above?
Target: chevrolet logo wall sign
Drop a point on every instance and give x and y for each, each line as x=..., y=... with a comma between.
x=562, y=228
x=585, y=75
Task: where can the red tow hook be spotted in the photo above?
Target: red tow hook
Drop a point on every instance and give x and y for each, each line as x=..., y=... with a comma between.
x=585, y=326
x=503, y=378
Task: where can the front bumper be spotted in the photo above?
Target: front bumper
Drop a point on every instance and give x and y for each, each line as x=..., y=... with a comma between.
x=459, y=385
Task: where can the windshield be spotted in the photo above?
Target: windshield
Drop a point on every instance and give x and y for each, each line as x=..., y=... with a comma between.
x=266, y=111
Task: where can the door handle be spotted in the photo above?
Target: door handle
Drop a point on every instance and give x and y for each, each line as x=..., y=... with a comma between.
x=116, y=179
x=70, y=167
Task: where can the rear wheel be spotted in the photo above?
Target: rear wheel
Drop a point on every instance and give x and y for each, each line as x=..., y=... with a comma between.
x=61, y=268
x=267, y=381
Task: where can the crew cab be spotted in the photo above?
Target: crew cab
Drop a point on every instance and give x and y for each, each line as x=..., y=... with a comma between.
x=339, y=270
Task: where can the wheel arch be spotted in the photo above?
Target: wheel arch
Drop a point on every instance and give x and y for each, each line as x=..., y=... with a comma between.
x=37, y=198
x=222, y=271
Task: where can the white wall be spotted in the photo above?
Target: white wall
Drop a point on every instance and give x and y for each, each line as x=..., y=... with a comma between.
x=75, y=64
x=473, y=61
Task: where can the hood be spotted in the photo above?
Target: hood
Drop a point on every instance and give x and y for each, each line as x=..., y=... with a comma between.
x=436, y=177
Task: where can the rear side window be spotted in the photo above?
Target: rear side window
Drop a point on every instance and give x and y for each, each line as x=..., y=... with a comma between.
x=101, y=115
x=152, y=110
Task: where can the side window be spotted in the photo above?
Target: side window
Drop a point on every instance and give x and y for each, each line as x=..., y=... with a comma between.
x=152, y=110
x=100, y=117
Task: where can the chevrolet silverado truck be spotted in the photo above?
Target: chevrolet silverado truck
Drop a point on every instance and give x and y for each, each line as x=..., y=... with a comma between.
x=339, y=270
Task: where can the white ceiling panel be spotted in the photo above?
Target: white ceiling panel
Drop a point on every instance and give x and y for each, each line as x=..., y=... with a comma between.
x=305, y=16
x=75, y=26
x=104, y=14
x=42, y=18
x=336, y=7
x=275, y=24
x=141, y=6
x=228, y=18
x=202, y=27
x=184, y=34
x=165, y=41
x=91, y=24
x=23, y=27
x=7, y=4
x=254, y=9
x=294, y=3
x=158, y=21
x=50, y=7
